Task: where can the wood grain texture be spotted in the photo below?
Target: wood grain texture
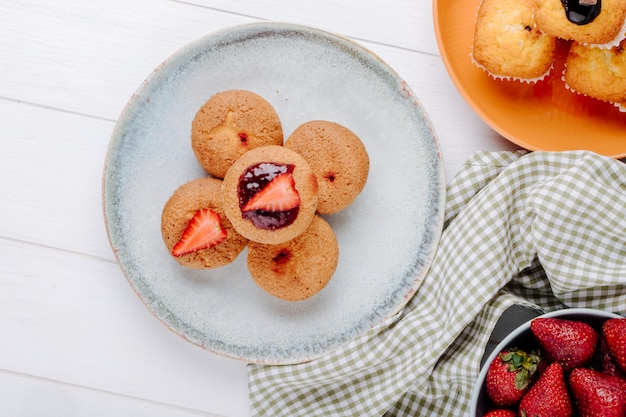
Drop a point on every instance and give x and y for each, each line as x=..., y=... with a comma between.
x=76, y=340
x=80, y=323
x=403, y=23
x=27, y=396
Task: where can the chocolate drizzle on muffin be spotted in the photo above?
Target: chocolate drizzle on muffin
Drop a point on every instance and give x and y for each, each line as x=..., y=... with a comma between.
x=582, y=12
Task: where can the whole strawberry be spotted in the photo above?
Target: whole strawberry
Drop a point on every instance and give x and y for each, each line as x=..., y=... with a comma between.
x=501, y=412
x=614, y=332
x=569, y=342
x=509, y=375
x=597, y=394
x=548, y=397
x=606, y=362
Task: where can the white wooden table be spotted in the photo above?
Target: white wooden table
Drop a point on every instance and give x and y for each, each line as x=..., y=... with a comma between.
x=74, y=338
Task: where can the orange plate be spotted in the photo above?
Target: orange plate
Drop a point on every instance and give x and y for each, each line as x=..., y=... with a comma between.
x=543, y=116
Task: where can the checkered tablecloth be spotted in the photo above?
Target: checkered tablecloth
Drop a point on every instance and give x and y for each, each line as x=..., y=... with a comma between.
x=542, y=229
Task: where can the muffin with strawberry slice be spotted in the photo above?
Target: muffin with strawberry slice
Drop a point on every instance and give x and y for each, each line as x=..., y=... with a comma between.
x=194, y=228
x=270, y=194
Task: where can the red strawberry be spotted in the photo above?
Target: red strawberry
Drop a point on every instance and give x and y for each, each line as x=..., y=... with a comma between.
x=204, y=230
x=597, y=394
x=548, y=397
x=508, y=376
x=279, y=194
x=501, y=412
x=572, y=343
x=606, y=361
x=614, y=332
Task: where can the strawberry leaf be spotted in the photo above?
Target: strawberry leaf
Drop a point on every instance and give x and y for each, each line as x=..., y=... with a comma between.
x=522, y=379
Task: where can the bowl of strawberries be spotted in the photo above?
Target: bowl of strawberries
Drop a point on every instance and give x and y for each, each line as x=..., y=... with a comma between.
x=566, y=363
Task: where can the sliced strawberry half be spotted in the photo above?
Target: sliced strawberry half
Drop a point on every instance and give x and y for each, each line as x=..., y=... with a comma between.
x=279, y=194
x=203, y=231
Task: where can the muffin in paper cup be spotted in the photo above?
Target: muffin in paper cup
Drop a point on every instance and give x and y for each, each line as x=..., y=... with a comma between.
x=597, y=72
x=603, y=23
x=612, y=43
x=508, y=44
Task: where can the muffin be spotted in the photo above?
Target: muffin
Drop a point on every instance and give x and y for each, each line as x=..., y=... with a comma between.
x=299, y=268
x=195, y=229
x=597, y=72
x=508, y=44
x=601, y=23
x=270, y=194
x=338, y=158
x=229, y=124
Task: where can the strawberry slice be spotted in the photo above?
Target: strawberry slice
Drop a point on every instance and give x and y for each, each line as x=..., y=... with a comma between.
x=203, y=231
x=279, y=194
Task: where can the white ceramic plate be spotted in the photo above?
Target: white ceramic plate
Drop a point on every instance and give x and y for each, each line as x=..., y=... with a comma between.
x=387, y=237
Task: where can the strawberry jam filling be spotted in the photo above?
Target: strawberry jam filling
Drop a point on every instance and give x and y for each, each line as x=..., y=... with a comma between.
x=259, y=180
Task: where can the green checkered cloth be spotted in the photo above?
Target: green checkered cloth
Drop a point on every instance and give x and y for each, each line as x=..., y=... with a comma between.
x=545, y=230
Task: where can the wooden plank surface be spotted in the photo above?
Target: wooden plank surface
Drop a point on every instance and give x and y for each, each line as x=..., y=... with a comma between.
x=76, y=340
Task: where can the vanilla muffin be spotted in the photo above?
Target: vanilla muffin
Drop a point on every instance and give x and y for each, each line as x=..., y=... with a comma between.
x=197, y=206
x=270, y=194
x=597, y=72
x=508, y=44
x=299, y=268
x=229, y=124
x=338, y=158
x=552, y=18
